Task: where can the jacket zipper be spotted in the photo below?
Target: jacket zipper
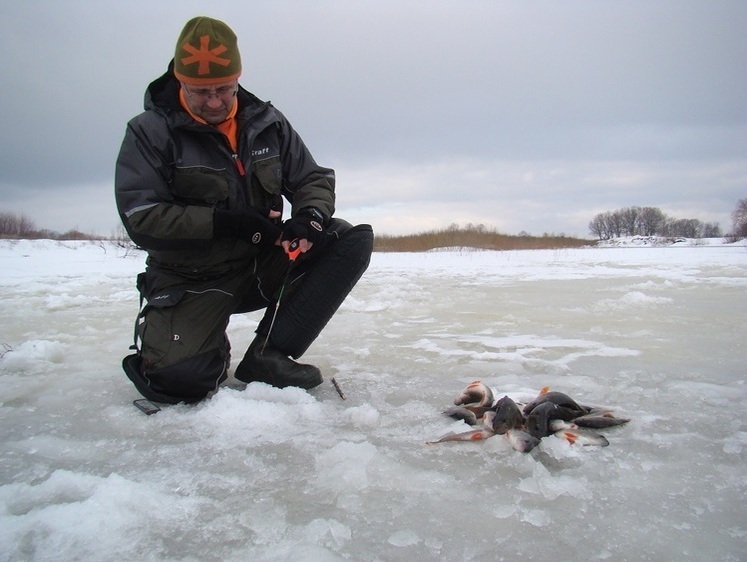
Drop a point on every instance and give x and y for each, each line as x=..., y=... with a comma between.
x=238, y=163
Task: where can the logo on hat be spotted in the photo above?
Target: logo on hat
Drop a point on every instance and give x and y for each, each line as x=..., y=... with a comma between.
x=205, y=55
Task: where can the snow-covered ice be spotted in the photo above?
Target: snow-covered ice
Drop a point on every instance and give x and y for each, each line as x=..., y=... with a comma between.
x=657, y=333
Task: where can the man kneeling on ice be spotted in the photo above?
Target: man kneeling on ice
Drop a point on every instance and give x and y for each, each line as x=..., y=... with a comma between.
x=200, y=183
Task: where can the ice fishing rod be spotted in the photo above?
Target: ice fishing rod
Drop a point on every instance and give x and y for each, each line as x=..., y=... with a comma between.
x=293, y=251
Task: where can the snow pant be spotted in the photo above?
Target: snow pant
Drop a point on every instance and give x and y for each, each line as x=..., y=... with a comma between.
x=182, y=351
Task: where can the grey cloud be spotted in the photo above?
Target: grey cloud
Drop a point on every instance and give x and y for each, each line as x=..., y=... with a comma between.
x=404, y=90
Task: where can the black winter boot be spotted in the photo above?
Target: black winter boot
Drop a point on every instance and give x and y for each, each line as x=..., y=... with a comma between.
x=272, y=366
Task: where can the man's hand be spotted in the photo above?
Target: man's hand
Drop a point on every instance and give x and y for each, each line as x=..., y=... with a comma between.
x=247, y=225
x=305, y=227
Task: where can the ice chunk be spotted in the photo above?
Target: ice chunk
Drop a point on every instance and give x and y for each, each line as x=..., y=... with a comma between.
x=33, y=355
x=405, y=537
x=344, y=466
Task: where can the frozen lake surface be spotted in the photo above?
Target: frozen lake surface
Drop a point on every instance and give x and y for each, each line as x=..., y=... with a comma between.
x=656, y=333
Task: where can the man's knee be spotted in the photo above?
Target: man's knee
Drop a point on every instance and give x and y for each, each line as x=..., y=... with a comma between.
x=308, y=309
x=189, y=380
x=184, y=352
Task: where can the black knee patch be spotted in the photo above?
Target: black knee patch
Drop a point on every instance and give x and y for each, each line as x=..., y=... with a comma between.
x=308, y=309
x=188, y=381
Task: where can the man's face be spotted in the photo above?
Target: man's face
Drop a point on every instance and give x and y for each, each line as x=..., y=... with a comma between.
x=212, y=103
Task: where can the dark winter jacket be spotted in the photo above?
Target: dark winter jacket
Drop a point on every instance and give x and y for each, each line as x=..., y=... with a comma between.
x=173, y=172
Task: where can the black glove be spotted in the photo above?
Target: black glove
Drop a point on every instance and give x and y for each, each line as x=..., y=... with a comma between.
x=247, y=225
x=309, y=224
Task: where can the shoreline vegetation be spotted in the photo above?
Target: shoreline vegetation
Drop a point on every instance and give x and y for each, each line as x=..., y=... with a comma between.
x=649, y=224
x=470, y=236
x=453, y=237
x=476, y=237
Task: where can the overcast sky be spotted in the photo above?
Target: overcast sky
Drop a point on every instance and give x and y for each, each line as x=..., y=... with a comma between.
x=520, y=115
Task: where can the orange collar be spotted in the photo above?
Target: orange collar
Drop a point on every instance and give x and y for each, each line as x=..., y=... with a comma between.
x=229, y=127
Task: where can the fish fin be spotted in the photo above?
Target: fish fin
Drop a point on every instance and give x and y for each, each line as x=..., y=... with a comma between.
x=481, y=435
x=569, y=436
x=560, y=425
x=586, y=438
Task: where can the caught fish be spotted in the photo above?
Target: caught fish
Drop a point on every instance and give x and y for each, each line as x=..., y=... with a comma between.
x=521, y=440
x=507, y=416
x=559, y=398
x=477, y=393
x=599, y=421
x=550, y=413
x=472, y=435
x=538, y=421
x=460, y=413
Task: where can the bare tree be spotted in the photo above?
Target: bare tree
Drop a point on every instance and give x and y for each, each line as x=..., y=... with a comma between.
x=652, y=221
x=596, y=227
x=739, y=219
x=6, y=223
x=629, y=219
x=615, y=224
x=686, y=228
x=26, y=226
x=607, y=225
x=712, y=230
x=12, y=224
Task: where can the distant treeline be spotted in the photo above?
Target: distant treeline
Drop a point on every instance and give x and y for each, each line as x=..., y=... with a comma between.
x=473, y=236
x=649, y=221
x=630, y=221
x=469, y=236
x=20, y=226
